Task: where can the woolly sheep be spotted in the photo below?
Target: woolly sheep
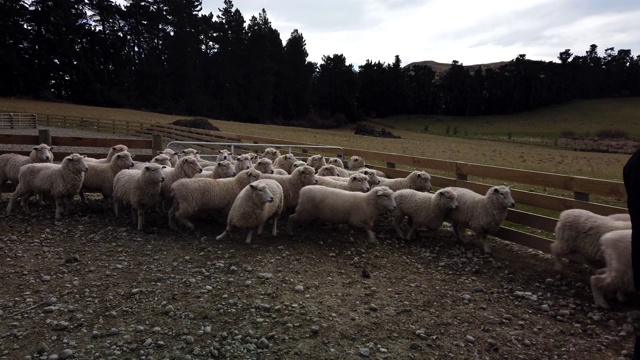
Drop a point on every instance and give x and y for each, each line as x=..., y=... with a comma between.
x=242, y=162
x=357, y=162
x=139, y=189
x=578, y=231
x=285, y=162
x=112, y=151
x=161, y=159
x=422, y=209
x=222, y=156
x=99, y=177
x=172, y=154
x=337, y=162
x=186, y=167
x=316, y=162
x=618, y=274
x=279, y=172
x=416, y=180
x=482, y=214
x=253, y=157
x=373, y=177
x=328, y=170
x=61, y=181
x=291, y=184
x=338, y=206
x=10, y=163
x=221, y=170
x=271, y=154
x=356, y=182
x=257, y=203
x=264, y=165
x=620, y=217
x=190, y=152
x=203, y=196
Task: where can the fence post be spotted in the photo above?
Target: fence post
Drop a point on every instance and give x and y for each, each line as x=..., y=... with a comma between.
x=580, y=196
x=391, y=165
x=156, y=144
x=44, y=136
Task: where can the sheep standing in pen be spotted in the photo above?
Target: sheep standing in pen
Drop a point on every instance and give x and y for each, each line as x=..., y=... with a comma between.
x=264, y=165
x=337, y=162
x=482, y=214
x=271, y=154
x=257, y=203
x=100, y=176
x=371, y=174
x=285, y=162
x=578, y=232
x=357, y=162
x=416, y=180
x=356, y=182
x=422, y=209
x=191, y=153
x=337, y=206
x=617, y=275
x=316, y=162
x=201, y=196
x=291, y=184
x=328, y=170
x=61, y=181
x=139, y=189
x=242, y=162
x=112, y=151
x=172, y=154
x=223, y=155
x=10, y=163
x=185, y=168
x=221, y=170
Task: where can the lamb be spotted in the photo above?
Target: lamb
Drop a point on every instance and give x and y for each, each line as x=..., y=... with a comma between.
x=285, y=162
x=202, y=195
x=422, y=209
x=257, y=203
x=186, y=167
x=328, y=170
x=100, y=176
x=221, y=170
x=482, y=214
x=578, y=231
x=357, y=162
x=10, y=163
x=356, y=182
x=416, y=180
x=172, y=154
x=291, y=184
x=338, y=206
x=112, y=151
x=618, y=274
x=139, y=189
x=271, y=154
x=242, y=162
x=264, y=165
x=61, y=181
x=316, y=162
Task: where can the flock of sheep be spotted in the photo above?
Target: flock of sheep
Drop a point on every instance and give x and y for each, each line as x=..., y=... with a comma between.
x=251, y=191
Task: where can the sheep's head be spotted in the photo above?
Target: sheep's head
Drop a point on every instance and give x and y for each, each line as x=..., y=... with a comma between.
x=42, y=153
x=502, y=195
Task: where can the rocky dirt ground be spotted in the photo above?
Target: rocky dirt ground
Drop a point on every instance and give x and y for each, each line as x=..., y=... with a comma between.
x=92, y=287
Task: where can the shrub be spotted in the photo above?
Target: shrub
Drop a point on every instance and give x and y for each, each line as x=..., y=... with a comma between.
x=612, y=134
x=567, y=134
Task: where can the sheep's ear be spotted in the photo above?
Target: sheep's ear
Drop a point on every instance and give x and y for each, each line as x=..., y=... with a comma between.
x=380, y=192
x=197, y=151
x=84, y=156
x=496, y=190
x=133, y=155
x=160, y=152
x=440, y=193
x=253, y=186
x=35, y=148
x=147, y=168
x=51, y=148
x=164, y=166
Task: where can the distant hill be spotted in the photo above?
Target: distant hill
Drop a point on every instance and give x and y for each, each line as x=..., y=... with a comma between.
x=442, y=67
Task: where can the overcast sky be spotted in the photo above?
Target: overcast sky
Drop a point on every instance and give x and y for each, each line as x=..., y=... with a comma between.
x=470, y=31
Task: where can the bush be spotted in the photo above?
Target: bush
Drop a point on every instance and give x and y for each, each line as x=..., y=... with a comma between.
x=612, y=134
x=567, y=134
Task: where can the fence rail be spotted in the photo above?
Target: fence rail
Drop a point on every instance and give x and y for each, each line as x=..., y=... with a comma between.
x=18, y=121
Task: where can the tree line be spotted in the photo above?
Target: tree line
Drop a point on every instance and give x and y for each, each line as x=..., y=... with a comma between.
x=167, y=56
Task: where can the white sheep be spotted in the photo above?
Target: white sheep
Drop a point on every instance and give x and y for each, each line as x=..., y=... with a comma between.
x=242, y=162
x=99, y=177
x=291, y=184
x=172, y=154
x=617, y=275
x=416, y=180
x=337, y=206
x=61, y=181
x=186, y=167
x=279, y=172
x=371, y=174
x=264, y=165
x=221, y=170
x=422, y=209
x=223, y=155
x=271, y=154
x=355, y=182
x=204, y=196
x=337, y=162
x=357, y=162
x=328, y=170
x=112, y=151
x=10, y=163
x=257, y=203
x=190, y=152
x=482, y=214
x=139, y=189
x=316, y=161
x=578, y=232
x=285, y=162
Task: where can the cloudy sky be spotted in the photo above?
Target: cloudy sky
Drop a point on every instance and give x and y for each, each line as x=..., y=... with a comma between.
x=470, y=31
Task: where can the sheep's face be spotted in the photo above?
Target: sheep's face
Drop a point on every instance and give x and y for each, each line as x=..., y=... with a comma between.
x=336, y=162
x=361, y=180
x=75, y=163
x=222, y=155
x=42, y=153
x=225, y=169
x=420, y=181
x=448, y=198
x=251, y=174
x=261, y=193
x=190, y=153
x=355, y=162
x=264, y=165
x=271, y=154
x=328, y=170
x=117, y=149
x=307, y=174
x=190, y=165
x=298, y=164
x=161, y=159
x=373, y=177
x=243, y=162
x=384, y=198
x=315, y=161
x=153, y=172
x=502, y=195
x=123, y=160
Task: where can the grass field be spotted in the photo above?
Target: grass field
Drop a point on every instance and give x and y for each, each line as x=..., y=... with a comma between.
x=579, y=116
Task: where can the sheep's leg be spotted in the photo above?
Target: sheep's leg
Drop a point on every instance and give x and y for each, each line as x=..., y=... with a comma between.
x=116, y=208
x=260, y=228
x=597, y=288
x=224, y=233
x=171, y=215
x=12, y=199
x=140, y=219
x=25, y=201
x=83, y=196
x=274, y=230
x=182, y=218
x=248, y=241
x=59, y=207
x=372, y=236
x=485, y=243
x=621, y=296
x=397, y=220
x=67, y=205
x=557, y=253
x=134, y=215
x=290, y=223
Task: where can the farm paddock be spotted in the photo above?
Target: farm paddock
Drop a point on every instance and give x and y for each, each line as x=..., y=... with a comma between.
x=92, y=287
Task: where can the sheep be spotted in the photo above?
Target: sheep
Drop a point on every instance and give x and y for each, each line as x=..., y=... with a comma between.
x=112, y=151
x=258, y=202
x=482, y=214
x=416, y=180
x=337, y=162
x=271, y=154
x=242, y=162
x=328, y=170
x=620, y=217
x=221, y=170
x=279, y=172
x=190, y=152
x=422, y=209
x=253, y=157
x=172, y=154
x=316, y=162
x=10, y=163
x=338, y=206
x=100, y=176
x=186, y=167
x=202, y=195
x=291, y=184
x=139, y=189
x=61, y=181
x=578, y=231
x=297, y=164
x=264, y=165
x=371, y=174
x=222, y=156
x=618, y=273
x=357, y=162
x=285, y=162
x=356, y=182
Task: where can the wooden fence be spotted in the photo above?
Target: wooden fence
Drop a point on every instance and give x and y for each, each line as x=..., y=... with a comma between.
x=531, y=225
x=18, y=121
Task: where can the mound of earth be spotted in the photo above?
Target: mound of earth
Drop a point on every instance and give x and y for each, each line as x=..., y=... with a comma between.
x=196, y=123
x=368, y=130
